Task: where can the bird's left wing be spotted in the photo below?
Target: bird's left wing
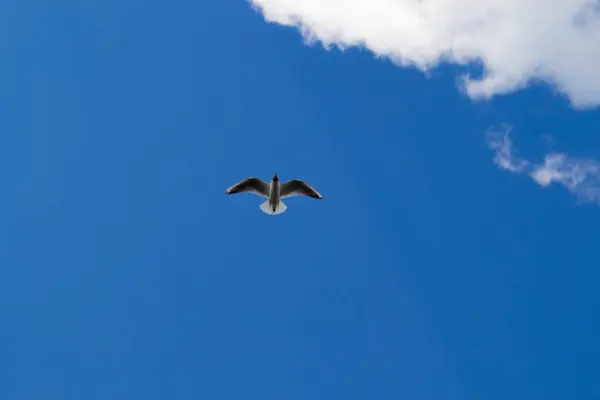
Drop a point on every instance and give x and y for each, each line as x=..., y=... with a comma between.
x=250, y=185
x=297, y=187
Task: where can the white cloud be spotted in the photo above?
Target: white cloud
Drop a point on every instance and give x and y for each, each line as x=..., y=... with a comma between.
x=580, y=176
x=517, y=41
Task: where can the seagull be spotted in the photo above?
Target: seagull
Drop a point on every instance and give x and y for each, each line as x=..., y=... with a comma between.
x=274, y=192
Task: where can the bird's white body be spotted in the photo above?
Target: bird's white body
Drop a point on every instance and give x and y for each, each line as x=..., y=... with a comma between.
x=274, y=191
x=273, y=205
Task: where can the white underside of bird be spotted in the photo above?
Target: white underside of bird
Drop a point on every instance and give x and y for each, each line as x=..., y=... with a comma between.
x=274, y=191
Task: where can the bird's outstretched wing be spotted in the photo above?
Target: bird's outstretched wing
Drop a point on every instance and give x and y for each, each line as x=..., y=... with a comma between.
x=250, y=185
x=297, y=187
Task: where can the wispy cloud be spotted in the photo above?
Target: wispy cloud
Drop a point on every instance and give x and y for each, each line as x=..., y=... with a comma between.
x=504, y=157
x=517, y=41
x=580, y=176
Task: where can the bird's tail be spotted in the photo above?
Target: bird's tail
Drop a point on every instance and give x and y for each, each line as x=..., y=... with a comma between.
x=268, y=208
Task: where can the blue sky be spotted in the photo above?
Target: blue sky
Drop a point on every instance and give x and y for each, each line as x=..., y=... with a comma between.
x=427, y=272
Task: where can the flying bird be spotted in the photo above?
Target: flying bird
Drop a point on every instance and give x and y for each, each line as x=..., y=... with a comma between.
x=274, y=191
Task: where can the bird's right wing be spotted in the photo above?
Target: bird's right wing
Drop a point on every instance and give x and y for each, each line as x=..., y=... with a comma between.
x=250, y=185
x=297, y=187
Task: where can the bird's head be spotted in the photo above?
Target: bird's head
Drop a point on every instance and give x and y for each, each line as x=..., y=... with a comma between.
x=275, y=178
